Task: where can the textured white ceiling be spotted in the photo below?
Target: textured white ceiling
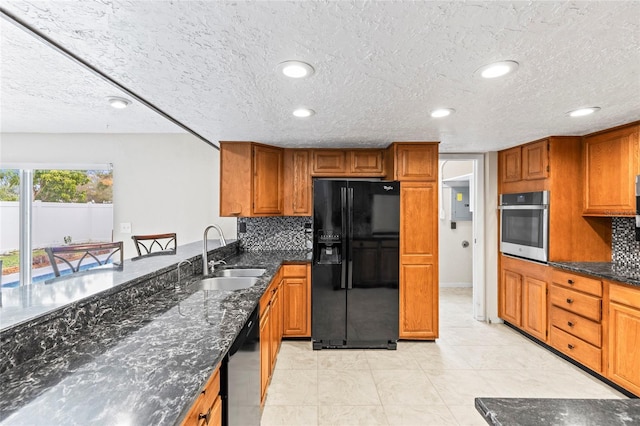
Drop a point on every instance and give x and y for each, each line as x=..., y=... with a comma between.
x=381, y=67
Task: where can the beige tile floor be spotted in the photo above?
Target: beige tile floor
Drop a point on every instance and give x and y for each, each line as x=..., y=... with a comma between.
x=422, y=383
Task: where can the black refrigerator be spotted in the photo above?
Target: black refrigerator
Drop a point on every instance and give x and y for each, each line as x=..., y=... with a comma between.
x=355, y=272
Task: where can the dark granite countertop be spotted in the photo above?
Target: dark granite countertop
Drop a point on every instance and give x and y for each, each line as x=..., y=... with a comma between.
x=558, y=412
x=607, y=270
x=24, y=303
x=145, y=368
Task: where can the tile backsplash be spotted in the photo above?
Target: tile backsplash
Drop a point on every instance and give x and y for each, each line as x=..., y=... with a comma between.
x=273, y=233
x=625, y=250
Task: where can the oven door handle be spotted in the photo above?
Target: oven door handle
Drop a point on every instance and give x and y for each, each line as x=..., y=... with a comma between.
x=529, y=207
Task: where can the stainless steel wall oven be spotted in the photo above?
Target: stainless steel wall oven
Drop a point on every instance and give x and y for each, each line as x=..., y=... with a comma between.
x=524, y=225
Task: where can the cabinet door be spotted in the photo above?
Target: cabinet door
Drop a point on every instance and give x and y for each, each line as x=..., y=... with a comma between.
x=511, y=297
x=265, y=355
x=297, y=183
x=534, y=312
x=268, y=174
x=535, y=160
x=367, y=162
x=235, y=179
x=418, y=260
x=624, y=338
x=328, y=162
x=610, y=165
x=416, y=162
x=275, y=318
x=296, y=308
x=510, y=166
x=216, y=413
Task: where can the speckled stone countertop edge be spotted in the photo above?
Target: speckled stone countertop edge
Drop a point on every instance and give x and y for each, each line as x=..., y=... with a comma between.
x=558, y=411
x=607, y=270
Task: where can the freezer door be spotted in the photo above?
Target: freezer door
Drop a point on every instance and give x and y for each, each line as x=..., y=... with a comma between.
x=329, y=267
x=373, y=259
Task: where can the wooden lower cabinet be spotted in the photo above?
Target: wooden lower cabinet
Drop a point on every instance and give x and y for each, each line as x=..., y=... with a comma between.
x=296, y=296
x=418, y=302
x=576, y=318
x=511, y=297
x=522, y=295
x=265, y=353
x=534, y=307
x=207, y=410
x=624, y=337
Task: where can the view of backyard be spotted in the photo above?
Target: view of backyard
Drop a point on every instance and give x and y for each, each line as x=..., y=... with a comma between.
x=68, y=207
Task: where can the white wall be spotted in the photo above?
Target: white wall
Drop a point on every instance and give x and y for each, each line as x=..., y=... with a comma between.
x=456, y=262
x=491, y=236
x=161, y=182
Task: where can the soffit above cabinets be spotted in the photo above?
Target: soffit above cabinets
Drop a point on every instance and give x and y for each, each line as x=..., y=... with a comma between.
x=380, y=69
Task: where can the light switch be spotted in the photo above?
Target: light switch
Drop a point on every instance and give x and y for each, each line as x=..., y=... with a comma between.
x=125, y=228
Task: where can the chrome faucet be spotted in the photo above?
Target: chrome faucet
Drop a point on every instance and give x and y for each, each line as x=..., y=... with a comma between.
x=182, y=262
x=205, y=249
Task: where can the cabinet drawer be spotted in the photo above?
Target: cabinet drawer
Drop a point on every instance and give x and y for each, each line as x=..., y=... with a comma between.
x=212, y=390
x=579, y=303
x=577, y=349
x=583, y=328
x=577, y=282
x=295, y=271
x=625, y=295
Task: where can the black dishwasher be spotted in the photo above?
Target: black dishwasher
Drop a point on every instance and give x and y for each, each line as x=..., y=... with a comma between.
x=242, y=405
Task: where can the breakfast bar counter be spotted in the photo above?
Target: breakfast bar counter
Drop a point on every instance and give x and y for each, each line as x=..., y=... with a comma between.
x=145, y=365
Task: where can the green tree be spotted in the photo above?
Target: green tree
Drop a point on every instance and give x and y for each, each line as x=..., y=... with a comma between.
x=100, y=186
x=9, y=185
x=59, y=185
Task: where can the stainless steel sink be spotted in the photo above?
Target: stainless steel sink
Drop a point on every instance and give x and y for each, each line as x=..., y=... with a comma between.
x=226, y=283
x=240, y=272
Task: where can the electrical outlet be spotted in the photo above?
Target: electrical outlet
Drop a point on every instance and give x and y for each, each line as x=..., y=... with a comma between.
x=125, y=228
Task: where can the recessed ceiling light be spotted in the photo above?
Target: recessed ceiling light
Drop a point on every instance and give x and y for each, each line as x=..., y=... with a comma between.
x=442, y=112
x=583, y=111
x=497, y=69
x=303, y=112
x=118, y=102
x=296, y=69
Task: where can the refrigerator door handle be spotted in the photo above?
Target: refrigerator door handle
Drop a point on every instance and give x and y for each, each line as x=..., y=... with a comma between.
x=343, y=239
x=350, y=231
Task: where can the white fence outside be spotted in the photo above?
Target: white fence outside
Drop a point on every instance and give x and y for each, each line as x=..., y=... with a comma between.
x=51, y=222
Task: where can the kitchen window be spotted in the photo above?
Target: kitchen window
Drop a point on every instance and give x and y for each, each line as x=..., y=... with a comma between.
x=50, y=205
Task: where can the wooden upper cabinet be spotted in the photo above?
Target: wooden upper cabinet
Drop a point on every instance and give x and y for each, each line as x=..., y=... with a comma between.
x=535, y=160
x=525, y=163
x=328, y=162
x=345, y=162
x=511, y=164
x=268, y=173
x=297, y=183
x=368, y=162
x=415, y=161
x=610, y=166
x=251, y=179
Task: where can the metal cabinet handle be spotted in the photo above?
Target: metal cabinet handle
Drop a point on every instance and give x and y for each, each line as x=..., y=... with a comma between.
x=569, y=323
x=571, y=282
x=570, y=346
x=569, y=300
x=205, y=416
